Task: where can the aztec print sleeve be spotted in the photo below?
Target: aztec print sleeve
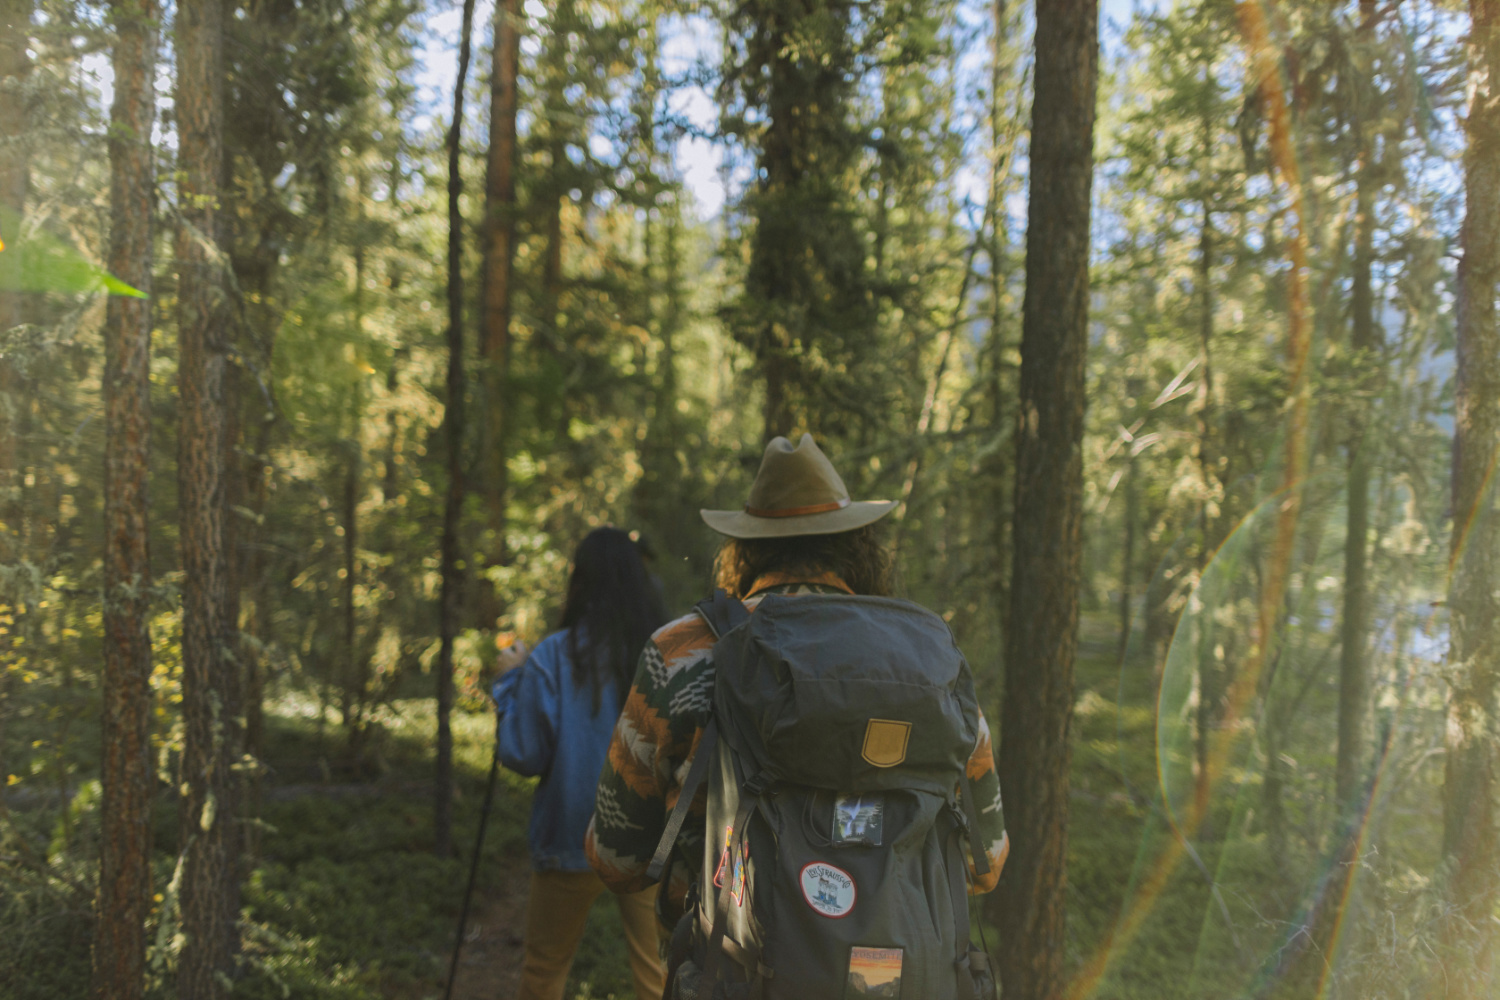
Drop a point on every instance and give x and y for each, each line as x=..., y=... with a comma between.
x=653, y=742
x=986, y=782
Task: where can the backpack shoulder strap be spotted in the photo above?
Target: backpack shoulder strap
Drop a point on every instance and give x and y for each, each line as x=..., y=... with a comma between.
x=721, y=612
x=690, y=784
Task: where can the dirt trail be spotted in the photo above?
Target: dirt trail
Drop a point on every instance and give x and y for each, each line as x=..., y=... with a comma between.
x=489, y=967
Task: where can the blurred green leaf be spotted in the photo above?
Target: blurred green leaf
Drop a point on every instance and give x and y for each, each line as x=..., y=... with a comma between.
x=41, y=262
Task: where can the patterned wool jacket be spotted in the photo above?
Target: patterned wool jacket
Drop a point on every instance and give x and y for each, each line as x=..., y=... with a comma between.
x=658, y=733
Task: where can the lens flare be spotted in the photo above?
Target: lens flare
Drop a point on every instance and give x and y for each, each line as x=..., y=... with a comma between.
x=1283, y=508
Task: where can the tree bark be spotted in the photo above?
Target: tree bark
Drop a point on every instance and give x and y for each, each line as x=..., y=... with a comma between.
x=1211, y=671
x=210, y=687
x=15, y=180
x=1042, y=640
x=499, y=273
x=453, y=426
x=1354, y=668
x=1469, y=832
x=355, y=683
x=997, y=491
x=119, y=956
x=555, y=189
x=1127, y=559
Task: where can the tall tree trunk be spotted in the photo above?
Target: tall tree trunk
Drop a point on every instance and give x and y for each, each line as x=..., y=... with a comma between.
x=781, y=156
x=210, y=688
x=1127, y=558
x=15, y=178
x=1469, y=833
x=555, y=189
x=660, y=485
x=1211, y=671
x=996, y=494
x=660, y=475
x=453, y=426
x=355, y=684
x=499, y=272
x=1038, y=710
x=1354, y=668
x=119, y=958
x=777, y=418
x=253, y=472
x=257, y=474
x=390, y=482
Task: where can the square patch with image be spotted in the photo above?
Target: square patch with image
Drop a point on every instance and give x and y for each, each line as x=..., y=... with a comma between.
x=873, y=972
x=859, y=819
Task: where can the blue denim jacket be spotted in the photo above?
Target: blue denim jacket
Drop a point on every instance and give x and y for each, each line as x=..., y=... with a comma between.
x=547, y=727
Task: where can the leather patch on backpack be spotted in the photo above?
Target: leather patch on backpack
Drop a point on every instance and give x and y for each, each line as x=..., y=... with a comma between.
x=885, y=742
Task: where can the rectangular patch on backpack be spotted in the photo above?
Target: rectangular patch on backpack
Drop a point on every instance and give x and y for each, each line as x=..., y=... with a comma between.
x=885, y=742
x=873, y=972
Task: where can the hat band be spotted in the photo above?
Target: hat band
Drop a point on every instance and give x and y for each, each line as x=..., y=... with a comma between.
x=815, y=508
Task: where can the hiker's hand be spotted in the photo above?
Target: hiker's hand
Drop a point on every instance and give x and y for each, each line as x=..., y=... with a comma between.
x=511, y=656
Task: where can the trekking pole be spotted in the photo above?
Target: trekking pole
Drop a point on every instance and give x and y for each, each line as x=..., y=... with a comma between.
x=463, y=913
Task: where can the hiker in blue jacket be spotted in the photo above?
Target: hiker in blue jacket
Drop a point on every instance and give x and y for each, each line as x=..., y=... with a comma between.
x=557, y=709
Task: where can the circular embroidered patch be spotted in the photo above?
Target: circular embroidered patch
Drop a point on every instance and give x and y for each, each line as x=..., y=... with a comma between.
x=828, y=890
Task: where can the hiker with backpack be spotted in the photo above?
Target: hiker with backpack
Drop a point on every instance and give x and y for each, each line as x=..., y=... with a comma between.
x=802, y=764
x=557, y=708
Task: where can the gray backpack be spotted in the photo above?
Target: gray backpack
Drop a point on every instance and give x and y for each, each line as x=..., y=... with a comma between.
x=833, y=861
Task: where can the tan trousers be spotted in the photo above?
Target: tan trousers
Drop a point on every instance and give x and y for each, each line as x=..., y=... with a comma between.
x=555, y=916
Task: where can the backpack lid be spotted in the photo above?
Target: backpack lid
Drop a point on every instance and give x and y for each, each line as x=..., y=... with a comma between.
x=846, y=693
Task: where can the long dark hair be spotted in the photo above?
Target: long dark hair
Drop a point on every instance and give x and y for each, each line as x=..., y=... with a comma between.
x=860, y=558
x=612, y=608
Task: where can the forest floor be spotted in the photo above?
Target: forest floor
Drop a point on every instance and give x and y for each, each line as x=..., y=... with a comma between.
x=489, y=967
x=381, y=825
x=346, y=900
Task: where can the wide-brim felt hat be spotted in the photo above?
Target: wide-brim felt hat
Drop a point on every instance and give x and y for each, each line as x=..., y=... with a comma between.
x=796, y=492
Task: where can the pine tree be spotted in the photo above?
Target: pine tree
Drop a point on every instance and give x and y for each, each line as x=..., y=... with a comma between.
x=1037, y=713
x=1471, y=842
x=15, y=179
x=806, y=311
x=1364, y=346
x=127, y=778
x=499, y=277
x=454, y=576
x=210, y=680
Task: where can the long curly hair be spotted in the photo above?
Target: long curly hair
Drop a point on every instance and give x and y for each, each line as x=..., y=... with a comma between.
x=612, y=608
x=860, y=558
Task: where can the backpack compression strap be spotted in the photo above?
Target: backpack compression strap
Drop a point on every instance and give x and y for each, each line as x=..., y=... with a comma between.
x=958, y=891
x=971, y=813
x=722, y=613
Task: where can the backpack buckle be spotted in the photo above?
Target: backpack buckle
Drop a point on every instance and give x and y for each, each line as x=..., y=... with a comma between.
x=757, y=784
